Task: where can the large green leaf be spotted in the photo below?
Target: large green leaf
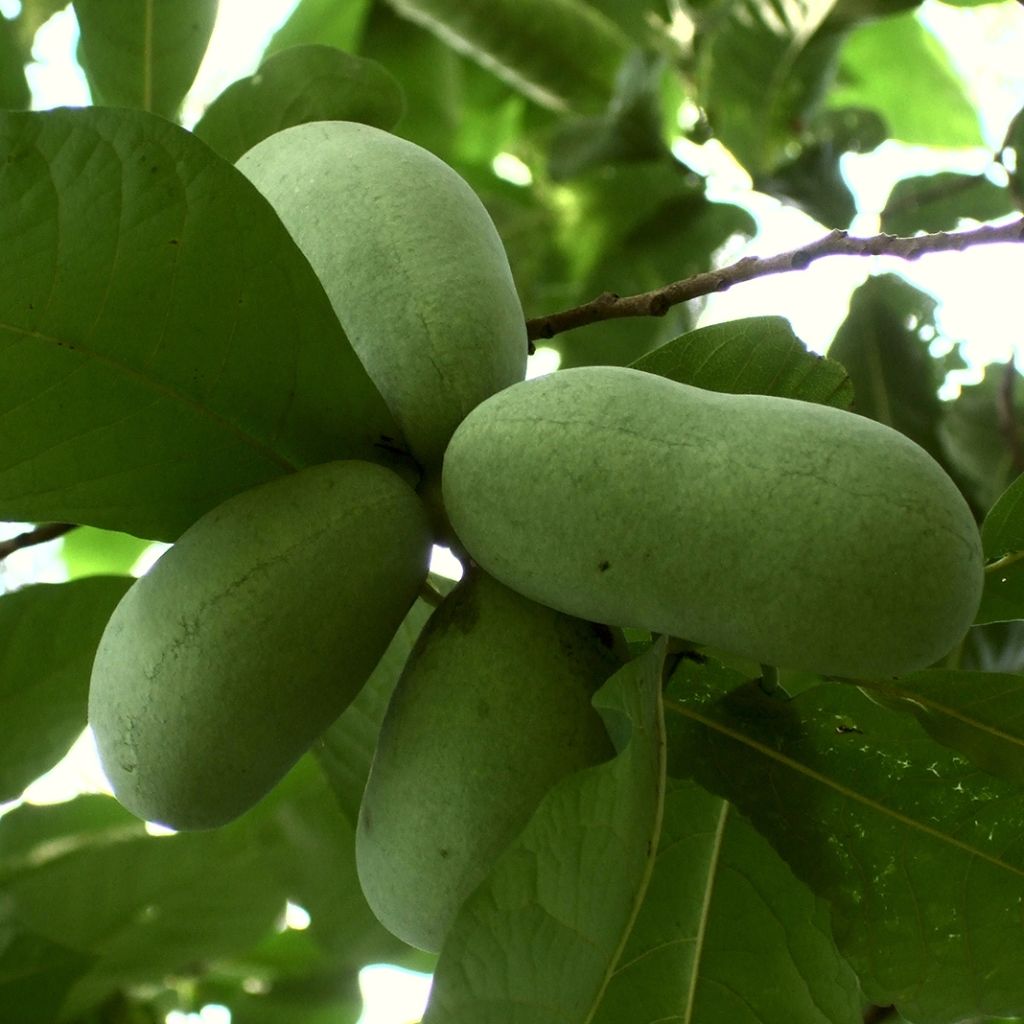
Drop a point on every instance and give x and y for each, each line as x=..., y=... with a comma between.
x=165, y=343
x=300, y=84
x=937, y=202
x=918, y=851
x=323, y=21
x=538, y=940
x=726, y=933
x=920, y=96
x=143, y=53
x=981, y=714
x=880, y=344
x=1002, y=538
x=757, y=355
x=761, y=68
x=48, y=636
x=562, y=53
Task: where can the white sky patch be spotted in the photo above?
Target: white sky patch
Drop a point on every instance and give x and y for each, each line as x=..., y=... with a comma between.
x=296, y=918
x=543, y=361
x=392, y=995
x=54, y=77
x=444, y=563
x=240, y=35
x=211, y=1013
x=510, y=168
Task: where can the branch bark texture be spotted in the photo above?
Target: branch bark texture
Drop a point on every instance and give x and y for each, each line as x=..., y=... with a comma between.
x=610, y=306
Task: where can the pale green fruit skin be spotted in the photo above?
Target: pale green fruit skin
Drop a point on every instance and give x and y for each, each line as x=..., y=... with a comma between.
x=411, y=262
x=794, y=534
x=492, y=709
x=222, y=665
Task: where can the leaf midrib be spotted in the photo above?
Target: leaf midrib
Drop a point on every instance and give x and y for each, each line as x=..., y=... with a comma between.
x=160, y=388
x=838, y=787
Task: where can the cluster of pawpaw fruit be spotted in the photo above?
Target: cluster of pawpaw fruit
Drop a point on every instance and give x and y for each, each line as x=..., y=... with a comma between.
x=593, y=499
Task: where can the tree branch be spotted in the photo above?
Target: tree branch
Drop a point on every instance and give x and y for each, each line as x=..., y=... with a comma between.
x=610, y=306
x=39, y=535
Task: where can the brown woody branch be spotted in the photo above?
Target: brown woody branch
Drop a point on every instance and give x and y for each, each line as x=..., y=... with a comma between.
x=610, y=306
x=39, y=535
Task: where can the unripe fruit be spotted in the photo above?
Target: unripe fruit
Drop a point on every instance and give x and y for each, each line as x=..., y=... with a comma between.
x=246, y=640
x=411, y=262
x=493, y=708
x=794, y=534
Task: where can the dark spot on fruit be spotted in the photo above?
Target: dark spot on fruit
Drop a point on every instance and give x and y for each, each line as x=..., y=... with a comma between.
x=443, y=852
x=604, y=566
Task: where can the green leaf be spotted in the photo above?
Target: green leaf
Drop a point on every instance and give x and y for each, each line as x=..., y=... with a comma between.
x=31, y=835
x=322, y=21
x=154, y=361
x=304, y=83
x=757, y=355
x=1014, y=142
x=430, y=74
x=86, y=551
x=146, y=907
x=761, y=69
x=1002, y=539
x=48, y=637
x=629, y=130
x=538, y=940
x=880, y=343
x=813, y=180
x=143, y=53
x=35, y=976
x=937, y=202
x=980, y=714
x=345, y=751
x=983, y=433
x=563, y=54
x=726, y=933
x=920, y=95
x=14, y=91
x=918, y=852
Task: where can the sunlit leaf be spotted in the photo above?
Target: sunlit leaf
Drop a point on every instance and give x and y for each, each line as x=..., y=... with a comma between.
x=761, y=66
x=880, y=343
x=86, y=551
x=143, y=53
x=48, y=637
x=919, y=852
x=983, y=433
x=921, y=97
x=154, y=361
x=754, y=355
x=937, y=202
x=322, y=21
x=538, y=940
x=300, y=84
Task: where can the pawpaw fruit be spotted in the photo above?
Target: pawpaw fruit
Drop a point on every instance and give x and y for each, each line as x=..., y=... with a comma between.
x=492, y=708
x=411, y=262
x=221, y=665
x=794, y=534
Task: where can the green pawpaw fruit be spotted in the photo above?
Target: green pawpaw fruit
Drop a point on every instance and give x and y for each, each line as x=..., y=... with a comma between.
x=794, y=534
x=411, y=262
x=222, y=665
x=491, y=710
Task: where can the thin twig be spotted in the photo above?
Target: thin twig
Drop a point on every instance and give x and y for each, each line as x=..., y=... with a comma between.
x=610, y=306
x=39, y=535
x=1008, y=416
